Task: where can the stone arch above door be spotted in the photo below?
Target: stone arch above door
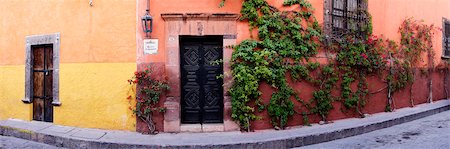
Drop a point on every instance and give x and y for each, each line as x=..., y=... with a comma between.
x=196, y=24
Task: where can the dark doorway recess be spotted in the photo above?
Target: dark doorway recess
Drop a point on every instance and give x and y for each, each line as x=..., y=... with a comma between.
x=42, y=78
x=201, y=90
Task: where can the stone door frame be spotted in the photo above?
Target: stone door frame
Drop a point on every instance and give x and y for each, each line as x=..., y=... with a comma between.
x=51, y=39
x=196, y=24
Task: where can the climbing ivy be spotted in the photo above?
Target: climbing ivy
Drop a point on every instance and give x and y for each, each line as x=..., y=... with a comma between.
x=286, y=42
x=283, y=37
x=416, y=39
x=357, y=58
x=323, y=98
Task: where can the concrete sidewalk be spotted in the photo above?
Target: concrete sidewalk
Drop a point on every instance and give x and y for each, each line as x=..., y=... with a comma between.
x=72, y=137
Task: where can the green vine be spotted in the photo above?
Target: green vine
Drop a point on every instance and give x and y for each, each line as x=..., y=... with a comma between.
x=282, y=39
x=416, y=39
x=357, y=58
x=323, y=98
x=286, y=42
x=147, y=97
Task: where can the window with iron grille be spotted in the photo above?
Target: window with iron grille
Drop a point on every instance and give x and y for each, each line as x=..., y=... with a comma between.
x=446, y=38
x=346, y=17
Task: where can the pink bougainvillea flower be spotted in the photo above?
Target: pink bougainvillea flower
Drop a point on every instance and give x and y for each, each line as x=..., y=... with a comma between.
x=364, y=55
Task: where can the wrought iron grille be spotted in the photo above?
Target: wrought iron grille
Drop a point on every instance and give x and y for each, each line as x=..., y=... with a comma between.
x=447, y=39
x=348, y=17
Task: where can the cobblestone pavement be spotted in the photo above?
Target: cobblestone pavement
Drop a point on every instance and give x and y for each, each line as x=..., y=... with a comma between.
x=16, y=143
x=432, y=132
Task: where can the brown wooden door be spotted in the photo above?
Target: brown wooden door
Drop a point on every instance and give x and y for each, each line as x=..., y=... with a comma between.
x=42, y=83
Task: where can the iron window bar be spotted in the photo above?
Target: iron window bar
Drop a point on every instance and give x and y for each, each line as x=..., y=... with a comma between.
x=446, y=33
x=348, y=16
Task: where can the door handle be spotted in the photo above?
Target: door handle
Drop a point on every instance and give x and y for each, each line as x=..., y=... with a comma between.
x=46, y=73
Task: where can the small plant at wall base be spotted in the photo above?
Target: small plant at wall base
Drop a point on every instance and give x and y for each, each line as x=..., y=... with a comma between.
x=147, y=97
x=404, y=59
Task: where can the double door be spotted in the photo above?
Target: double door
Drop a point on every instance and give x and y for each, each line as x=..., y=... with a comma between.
x=201, y=89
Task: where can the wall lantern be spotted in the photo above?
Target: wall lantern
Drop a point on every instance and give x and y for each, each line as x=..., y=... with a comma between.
x=147, y=21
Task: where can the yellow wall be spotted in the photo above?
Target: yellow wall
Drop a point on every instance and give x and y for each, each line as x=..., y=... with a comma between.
x=92, y=94
x=97, y=57
x=12, y=91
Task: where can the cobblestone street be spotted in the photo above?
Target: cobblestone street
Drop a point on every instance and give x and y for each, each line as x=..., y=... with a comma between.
x=432, y=132
x=15, y=143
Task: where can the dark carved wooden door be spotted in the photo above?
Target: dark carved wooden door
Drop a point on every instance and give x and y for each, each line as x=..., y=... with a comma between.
x=42, y=83
x=201, y=90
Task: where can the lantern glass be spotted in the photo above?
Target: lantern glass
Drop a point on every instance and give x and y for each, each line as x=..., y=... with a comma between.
x=147, y=23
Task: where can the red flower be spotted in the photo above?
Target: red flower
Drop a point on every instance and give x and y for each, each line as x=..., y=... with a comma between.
x=364, y=55
x=135, y=73
x=129, y=97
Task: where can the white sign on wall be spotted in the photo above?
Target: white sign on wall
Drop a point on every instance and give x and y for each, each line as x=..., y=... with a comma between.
x=150, y=46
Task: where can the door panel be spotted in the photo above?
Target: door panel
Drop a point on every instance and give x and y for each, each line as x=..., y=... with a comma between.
x=42, y=83
x=211, y=85
x=202, y=92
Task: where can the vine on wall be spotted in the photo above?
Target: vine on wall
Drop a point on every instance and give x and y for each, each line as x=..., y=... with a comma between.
x=283, y=37
x=356, y=59
x=147, y=97
x=286, y=42
x=405, y=58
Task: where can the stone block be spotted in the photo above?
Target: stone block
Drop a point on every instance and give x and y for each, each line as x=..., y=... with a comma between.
x=172, y=111
x=89, y=134
x=191, y=128
x=172, y=126
x=230, y=125
x=213, y=127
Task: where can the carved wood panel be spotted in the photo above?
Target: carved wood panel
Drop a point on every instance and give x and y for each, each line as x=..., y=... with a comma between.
x=201, y=90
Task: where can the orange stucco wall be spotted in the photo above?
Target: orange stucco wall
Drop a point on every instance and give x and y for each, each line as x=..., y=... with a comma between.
x=387, y=17
x=101, y=44
x=104, y=32
x=159, y=7
x=389, y=14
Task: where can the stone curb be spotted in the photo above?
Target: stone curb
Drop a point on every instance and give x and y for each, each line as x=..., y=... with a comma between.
x=288, y=142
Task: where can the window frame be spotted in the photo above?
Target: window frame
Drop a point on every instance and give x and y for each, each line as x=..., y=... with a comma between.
x=445, y=41
x=329, y=16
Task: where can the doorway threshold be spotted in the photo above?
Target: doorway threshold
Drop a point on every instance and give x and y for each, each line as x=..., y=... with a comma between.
x=202, y=127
